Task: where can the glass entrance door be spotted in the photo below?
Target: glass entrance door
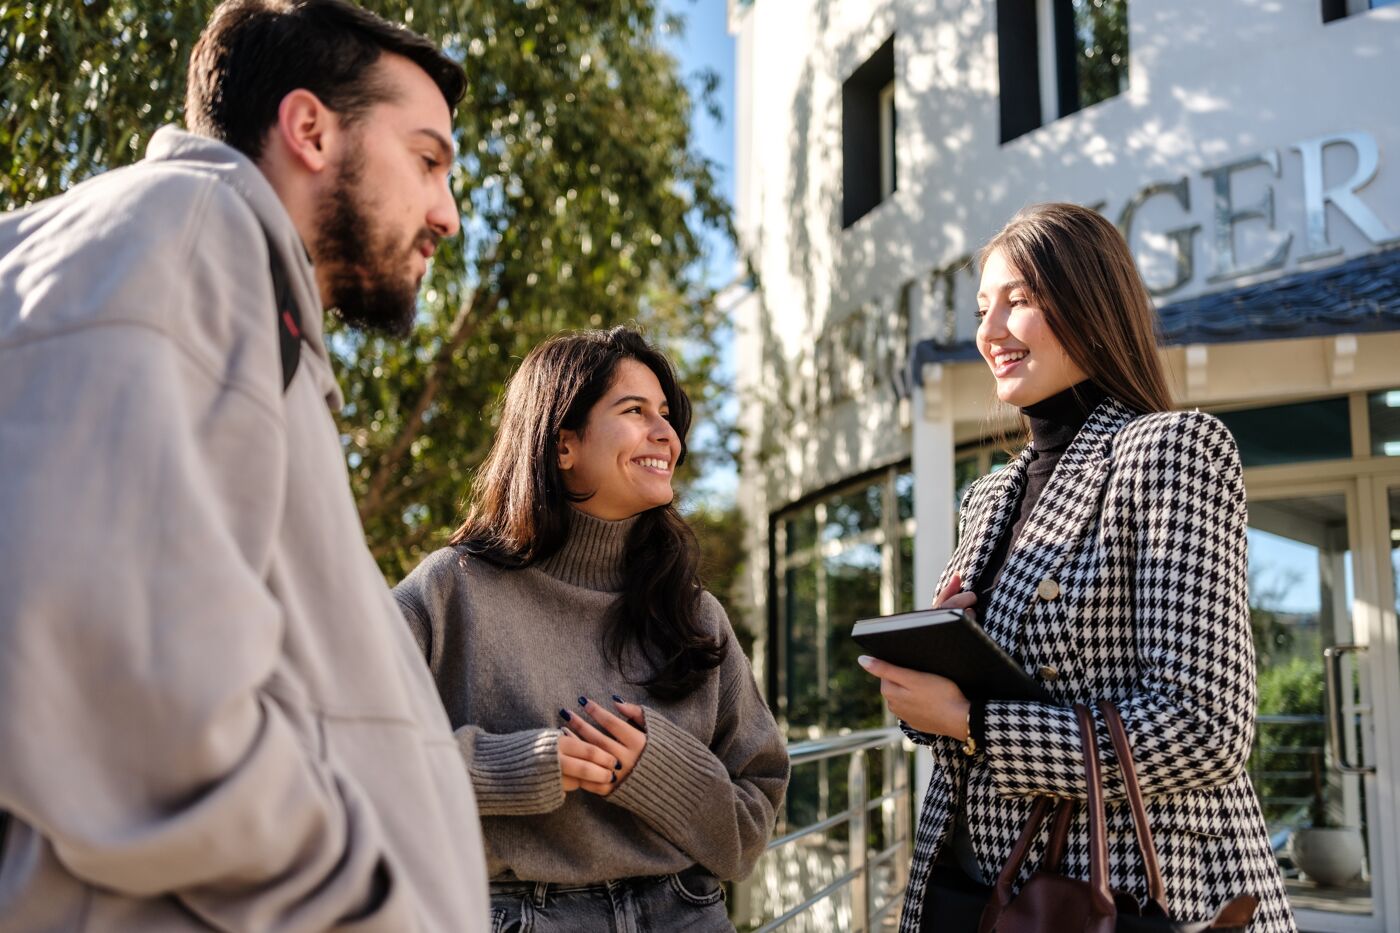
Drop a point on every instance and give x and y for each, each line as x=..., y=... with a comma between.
x=1320, y=771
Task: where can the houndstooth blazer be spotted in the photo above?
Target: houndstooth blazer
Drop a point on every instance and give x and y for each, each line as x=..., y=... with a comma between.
x=1127, y=583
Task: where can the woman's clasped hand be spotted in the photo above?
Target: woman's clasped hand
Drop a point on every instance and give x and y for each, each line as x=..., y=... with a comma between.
x=599, y=757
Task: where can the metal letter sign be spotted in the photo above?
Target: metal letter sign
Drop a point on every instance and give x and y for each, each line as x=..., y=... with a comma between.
x=1343, y=196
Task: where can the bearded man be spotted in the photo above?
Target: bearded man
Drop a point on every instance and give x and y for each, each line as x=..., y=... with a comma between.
x=212, y=715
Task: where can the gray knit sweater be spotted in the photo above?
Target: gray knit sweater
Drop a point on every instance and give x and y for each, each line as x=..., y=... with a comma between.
x=509, y=648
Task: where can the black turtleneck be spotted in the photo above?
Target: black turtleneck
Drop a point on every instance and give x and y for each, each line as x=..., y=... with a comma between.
x=1055, y=422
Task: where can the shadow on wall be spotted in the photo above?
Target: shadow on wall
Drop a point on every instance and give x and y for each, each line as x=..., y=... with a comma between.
x=949, y=199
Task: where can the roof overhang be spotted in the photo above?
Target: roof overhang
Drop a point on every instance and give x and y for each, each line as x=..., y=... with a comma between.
x=1358, y=296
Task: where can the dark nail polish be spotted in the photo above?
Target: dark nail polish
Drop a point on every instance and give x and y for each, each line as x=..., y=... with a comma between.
x=583, y=701
x=617, y=766
x=566, y=714
x=618, y=699
x=613, y=778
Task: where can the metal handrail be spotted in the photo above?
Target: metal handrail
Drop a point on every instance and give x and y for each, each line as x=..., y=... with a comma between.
x=801, y=753
x=860, y=862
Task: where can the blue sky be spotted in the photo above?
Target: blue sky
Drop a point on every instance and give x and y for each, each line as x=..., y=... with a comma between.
x=706, y=44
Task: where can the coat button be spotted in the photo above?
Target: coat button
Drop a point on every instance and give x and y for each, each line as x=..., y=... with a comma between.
x=1048, y=672
x=1047, y=589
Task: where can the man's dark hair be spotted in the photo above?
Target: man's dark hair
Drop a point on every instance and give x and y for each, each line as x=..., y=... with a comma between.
x=253, y=53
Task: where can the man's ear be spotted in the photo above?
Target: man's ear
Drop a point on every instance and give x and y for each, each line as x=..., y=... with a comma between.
x=566, y=448
x=308, y=130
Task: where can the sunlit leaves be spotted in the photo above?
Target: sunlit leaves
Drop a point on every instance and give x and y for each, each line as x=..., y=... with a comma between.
x=581, y=191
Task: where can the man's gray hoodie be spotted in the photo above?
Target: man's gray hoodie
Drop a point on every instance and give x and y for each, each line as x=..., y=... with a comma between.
x=212, y=715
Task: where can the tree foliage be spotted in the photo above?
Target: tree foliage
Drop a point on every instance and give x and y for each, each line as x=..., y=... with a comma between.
x=1101, y=28
x=584, y=202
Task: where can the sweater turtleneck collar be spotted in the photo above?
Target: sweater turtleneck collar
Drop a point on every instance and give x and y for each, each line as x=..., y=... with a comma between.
x=1056, y=420
x=592, y=554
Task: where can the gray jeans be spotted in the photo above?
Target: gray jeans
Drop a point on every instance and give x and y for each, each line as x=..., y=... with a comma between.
x=691, y=901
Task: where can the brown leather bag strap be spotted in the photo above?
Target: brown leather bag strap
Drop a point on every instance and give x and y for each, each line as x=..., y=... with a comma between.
x=1156, y=888
x=1103, y=908
x=1059, y=837
x=1014, y=861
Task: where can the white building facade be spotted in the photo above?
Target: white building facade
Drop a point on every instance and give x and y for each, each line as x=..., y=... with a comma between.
x=1250, y=152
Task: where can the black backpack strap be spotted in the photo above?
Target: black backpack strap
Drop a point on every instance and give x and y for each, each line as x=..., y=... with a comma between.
x=288, y=316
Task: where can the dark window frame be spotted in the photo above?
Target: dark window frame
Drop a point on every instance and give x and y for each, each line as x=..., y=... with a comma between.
x=860, y=135
x=1018, y=65
x=1333, y=10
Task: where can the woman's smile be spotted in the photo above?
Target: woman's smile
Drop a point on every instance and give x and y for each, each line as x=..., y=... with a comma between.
x=657, y=465
x=623, y=460
x=1005, y=362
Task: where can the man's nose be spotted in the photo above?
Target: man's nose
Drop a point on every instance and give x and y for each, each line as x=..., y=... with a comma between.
x=443, y=217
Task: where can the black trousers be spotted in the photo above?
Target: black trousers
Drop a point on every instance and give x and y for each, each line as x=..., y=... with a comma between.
x=953, y=902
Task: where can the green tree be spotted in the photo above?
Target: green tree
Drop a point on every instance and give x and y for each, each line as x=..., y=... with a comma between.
x=720, y=532
x=584, y=201
x=1101, y=27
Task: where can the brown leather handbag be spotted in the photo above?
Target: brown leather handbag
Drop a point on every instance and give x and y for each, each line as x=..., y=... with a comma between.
x=1050, y=902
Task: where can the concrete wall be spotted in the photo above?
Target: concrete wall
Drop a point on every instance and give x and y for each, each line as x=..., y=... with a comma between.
x=1212, y=83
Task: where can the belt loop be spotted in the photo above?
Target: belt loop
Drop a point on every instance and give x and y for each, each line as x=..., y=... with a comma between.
x=541, y=887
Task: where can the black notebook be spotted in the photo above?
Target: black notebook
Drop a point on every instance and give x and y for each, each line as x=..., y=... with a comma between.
x=951, y=644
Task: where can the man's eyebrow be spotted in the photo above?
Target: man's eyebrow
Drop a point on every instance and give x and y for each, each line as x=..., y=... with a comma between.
x=444, y=145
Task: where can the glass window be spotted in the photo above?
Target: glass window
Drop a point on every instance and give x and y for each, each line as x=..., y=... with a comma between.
x=966, y=471
x=1298, y=433
x=1337, y=9
x=853, y=582
x=853, y=512
x=904, y=495
x=904, y=601
x=1384, y=410
x=801, y=530
x=1395, y=544
x=1053, y=65
x=802, y=674
x=1301, y=597
x=845, y=557
x=868, y=152
x=1098, y=47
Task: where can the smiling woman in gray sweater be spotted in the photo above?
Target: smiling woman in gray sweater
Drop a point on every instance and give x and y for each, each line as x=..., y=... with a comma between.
x=623, y=759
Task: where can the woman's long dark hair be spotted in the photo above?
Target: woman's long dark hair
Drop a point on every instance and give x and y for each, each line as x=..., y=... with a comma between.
x=520, y=511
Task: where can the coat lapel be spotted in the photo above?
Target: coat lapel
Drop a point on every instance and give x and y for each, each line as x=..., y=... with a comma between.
x=993, y=514
x=1067, y=506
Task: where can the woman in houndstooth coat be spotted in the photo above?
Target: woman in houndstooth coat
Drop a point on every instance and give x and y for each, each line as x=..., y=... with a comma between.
x=1109, y=559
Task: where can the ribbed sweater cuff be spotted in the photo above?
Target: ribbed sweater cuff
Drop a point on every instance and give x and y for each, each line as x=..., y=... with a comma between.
x=672, y=780
x=515, y=774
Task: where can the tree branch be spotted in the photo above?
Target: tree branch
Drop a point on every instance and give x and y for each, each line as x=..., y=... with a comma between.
x=395, y=496
x=463, y=326
x=403, y=545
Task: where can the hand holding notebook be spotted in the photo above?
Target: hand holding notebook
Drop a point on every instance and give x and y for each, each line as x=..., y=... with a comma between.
x=950, y=643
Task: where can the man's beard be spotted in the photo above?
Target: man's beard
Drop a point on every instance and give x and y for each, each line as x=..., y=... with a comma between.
x=370, y=288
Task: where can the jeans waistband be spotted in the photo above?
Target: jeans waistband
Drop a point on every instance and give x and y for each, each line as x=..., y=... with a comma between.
x=539, y=891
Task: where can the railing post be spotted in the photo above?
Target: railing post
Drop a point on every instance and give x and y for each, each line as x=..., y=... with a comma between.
x=903, y=816
x=856, y=837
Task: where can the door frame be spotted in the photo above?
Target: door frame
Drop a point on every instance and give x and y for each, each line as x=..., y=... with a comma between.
x=1364, y=484
x=1384, y=647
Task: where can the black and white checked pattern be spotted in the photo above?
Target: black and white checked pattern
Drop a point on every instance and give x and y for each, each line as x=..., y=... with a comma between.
x=1142, y=526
